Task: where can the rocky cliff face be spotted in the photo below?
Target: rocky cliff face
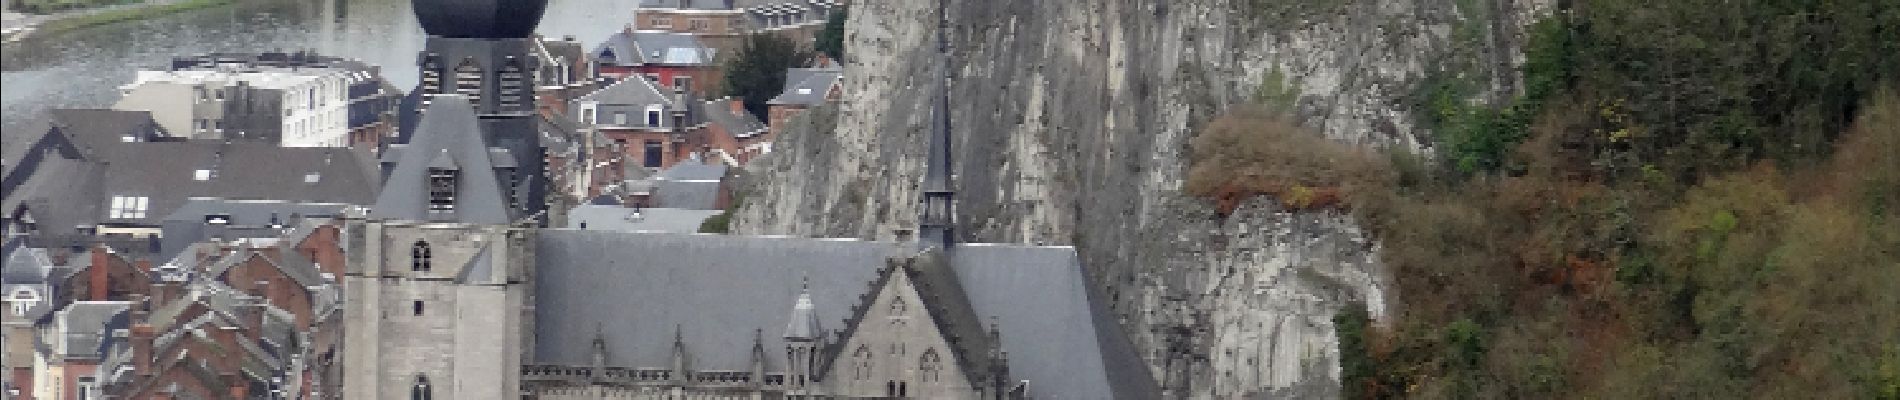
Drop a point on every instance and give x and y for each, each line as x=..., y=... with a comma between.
x=1071, y=120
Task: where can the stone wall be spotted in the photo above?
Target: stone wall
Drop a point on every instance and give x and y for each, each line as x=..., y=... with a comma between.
x=1071, y=122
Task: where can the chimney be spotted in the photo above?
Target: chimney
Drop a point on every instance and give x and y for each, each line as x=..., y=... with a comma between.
x=142, y=348
x=738, y=105
x=98, y=274
x=145, y=265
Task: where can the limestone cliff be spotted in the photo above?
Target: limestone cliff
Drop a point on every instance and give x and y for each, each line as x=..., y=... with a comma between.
x=1071, y=120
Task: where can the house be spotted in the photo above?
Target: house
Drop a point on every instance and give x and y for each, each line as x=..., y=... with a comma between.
x=204, y=219
x=286, y=99
x=565, y=73
x=670, y=61
x=804, y=88
x=654, y=127
x=736, y=136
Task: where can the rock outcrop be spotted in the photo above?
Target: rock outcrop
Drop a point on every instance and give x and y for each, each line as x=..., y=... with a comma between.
x=1071, y=120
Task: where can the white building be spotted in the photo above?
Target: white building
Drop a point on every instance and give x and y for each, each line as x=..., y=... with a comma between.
x=296, y=102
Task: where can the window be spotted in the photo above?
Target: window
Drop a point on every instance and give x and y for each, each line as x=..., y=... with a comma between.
x=421, y=391
x=512, y=84
x=418, y=306
x=697, y=25
x=431, y=74
x=441, y=190
x=128, y=207
x=682, y=82
x=468, y=81
x=620, y=118
x=653, y=117
x=652, y=154
x=203, y=175
x=312, y=177
x=662, y=22
x=88, y=388
x=419, y=256
x=863, y=359
x=930, y=366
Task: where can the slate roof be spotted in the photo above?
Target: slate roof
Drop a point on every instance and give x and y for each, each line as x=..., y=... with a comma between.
x=689, y=185
x=448, y=129
x=167, y=172
x=629, y=92
x=26, y=266
x=720, y=289
x=623, y=219
x=636, y=48
x=88, y=326
x=61, y=196
x=807, y=86
x=245, y=219
x=739, y=125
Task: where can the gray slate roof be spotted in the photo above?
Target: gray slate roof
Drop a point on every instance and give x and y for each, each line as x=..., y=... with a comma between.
x=448, y=130
x=167, y=173
x=720, y=289
x=807, y=86
x=629, y=92
x=623, y=219
x=88, y=325
x=652, y=47
x=741, y=124
x=246, y=219
x=61, y=195
x=689, y=185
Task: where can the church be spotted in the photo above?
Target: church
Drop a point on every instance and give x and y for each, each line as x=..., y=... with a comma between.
x=454, y=291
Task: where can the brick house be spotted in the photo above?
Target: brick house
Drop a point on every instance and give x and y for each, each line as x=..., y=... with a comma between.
x=804, y=88
x=668, y=60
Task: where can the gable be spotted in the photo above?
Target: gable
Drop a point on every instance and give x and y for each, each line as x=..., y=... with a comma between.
x=895, y=340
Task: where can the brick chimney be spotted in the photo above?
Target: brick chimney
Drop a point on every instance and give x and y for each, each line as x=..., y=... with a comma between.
x=142, y=335
x=98, y=275
x=737, y=104
x=145, y=265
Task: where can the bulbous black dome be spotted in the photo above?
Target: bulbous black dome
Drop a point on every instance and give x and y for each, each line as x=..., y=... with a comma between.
x=480, y=18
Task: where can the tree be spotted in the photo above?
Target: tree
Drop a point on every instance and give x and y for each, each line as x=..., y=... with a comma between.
x=758, y=72
x=831, y=39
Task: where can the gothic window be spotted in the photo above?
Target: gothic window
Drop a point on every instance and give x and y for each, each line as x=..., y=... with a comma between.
x=513, y=82
x=468, y=81
x=863, y=359
x=419, y=257
x=421, y=390
x=930, y=365
x=441, y=190
x=432, y=74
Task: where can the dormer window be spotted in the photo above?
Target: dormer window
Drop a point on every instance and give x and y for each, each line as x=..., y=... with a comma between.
x=653, y=116
x=442, y=190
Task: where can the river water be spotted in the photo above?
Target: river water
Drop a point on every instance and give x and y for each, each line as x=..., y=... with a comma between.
x=84, y=68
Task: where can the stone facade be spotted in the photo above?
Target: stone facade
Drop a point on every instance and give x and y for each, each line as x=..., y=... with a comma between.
x=435, y=307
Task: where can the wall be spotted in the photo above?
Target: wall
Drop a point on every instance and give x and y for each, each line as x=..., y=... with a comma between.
x=1071, y=122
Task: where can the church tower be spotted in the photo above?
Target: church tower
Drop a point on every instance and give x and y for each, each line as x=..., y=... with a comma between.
x=482, y=50
x=440, y=269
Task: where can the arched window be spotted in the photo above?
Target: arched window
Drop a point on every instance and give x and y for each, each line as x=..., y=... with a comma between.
x=419, y=256
x=890, y=388
x=468, y=81
x=421, y=391
x=903, y=389
x=513, y=85
x=431, y=74
x=930, y=366
x=863, y=359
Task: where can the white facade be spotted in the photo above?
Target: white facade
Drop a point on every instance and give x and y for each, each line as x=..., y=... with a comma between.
x=314, y=102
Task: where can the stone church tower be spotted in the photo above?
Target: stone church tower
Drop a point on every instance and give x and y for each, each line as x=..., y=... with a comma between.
x=440, y=277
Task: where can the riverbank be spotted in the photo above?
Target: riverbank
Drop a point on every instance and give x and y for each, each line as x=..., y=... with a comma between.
x=66, y=21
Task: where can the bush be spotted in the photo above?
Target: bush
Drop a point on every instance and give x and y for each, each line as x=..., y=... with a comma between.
x=1251, y=152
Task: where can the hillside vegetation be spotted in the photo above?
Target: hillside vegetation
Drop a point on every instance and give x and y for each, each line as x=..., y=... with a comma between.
x=1691, y=199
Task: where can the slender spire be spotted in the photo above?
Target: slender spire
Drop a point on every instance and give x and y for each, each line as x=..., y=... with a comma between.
x=938, y=219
